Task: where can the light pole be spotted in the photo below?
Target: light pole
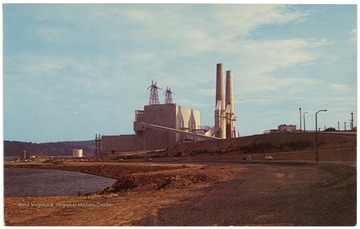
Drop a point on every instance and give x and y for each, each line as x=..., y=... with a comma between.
x=304, y=120
x=316, y=138
x=300, y=117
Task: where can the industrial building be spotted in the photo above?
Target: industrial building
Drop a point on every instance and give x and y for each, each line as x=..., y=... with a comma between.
x=160, y=126
x=286, y=128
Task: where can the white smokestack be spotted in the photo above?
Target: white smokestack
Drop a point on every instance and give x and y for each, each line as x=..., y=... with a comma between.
x=230, y=115
x=220, y=121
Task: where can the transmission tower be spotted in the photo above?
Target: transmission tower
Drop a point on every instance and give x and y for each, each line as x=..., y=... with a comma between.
x=154, y=97
x=168, y=95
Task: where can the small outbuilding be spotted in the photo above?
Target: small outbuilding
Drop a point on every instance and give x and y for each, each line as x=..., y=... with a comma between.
x=78, y=153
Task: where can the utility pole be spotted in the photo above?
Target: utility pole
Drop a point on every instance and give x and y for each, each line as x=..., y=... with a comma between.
x=352, y=121
x=300, y=117
x=304, y=120
x=316, y=135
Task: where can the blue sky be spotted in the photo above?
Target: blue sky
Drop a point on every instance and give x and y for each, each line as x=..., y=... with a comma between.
x=71, y=71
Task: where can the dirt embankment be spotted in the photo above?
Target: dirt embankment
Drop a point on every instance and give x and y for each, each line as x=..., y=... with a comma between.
x=331, y=147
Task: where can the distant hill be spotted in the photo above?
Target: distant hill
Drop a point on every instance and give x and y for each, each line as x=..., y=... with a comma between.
x=15, y=148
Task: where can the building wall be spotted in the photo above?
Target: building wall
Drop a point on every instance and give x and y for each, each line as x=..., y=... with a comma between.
x=162, y=115
x=186, y=119
x=289, y=128
x=167, y=115
x=121, y=143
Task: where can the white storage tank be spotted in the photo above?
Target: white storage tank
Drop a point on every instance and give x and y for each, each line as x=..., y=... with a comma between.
x=78, y=153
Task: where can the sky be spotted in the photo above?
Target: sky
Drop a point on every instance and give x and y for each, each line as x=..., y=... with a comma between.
x=71, y=71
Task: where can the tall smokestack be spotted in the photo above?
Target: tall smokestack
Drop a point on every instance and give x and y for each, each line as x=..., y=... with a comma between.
x=229, y=101
x=220, y=121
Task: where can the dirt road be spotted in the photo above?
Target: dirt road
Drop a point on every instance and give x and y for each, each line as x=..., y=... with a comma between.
x=283, y=194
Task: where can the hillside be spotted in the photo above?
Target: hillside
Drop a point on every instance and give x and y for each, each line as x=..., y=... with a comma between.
x=340, y=145
x=15, y=148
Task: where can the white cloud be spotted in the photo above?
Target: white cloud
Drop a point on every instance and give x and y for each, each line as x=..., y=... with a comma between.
x=245, y=18
x=192, y=40
x=54, y=34
x=184, y=33
x=280, y=53
x=340, y=88
x=353, y=35
x=34, y=65
x=175, y=29
x=257, y=63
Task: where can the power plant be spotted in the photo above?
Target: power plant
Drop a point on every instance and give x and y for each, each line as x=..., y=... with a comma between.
x=160, y=126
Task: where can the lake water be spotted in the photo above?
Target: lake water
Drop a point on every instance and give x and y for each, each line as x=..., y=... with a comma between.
x=24, y=182
x=9, y=158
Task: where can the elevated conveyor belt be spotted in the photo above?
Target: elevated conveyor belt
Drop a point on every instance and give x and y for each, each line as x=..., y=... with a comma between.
x=172, y=130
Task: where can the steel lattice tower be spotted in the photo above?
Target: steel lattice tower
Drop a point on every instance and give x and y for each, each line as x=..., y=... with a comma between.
x=168, y=95
x=154, y=97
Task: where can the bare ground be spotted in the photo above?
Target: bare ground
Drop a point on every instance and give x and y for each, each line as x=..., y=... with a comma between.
x=291, y=195
x=274, y=193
